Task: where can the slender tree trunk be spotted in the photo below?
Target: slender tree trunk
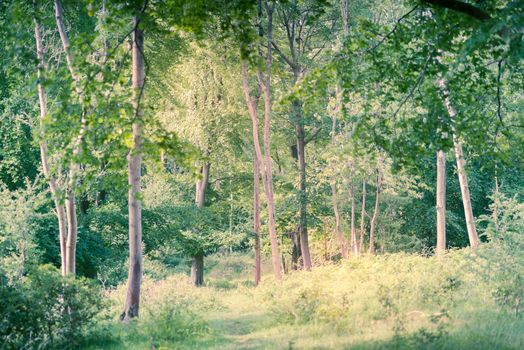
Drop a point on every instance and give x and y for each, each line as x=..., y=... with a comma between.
x=441, y=202
x=269, y=175
x=334, y=194
x=354, y=243
x=466, y=198
x=362, y=217
x=301, y=148
x=72, y=229
x=256, y=218
x=134, y=157
x=461, y=168
x=197, y=266
x=267, y=182
x=375, y=215
x=338, y=232
x=53, y=186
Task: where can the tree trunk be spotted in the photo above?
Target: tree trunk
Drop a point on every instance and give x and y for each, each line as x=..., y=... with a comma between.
x=354, y=243
x=302, y=227
x=461, y=169
x=375, y=215
x=267, y=181
x=334, y=195
x=53, y=186
x=197, y=266
x=295, y=253
x=338, y=232
x=441, y=203
x=466, y=198
x=197, y=269
x=362, y=217
x=134, y=157
x=72, y=229
x=256, y=219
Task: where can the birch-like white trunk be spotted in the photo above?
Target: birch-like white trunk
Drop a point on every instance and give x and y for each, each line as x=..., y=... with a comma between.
x=461, y=168
x=46, y=169
x=441, y=203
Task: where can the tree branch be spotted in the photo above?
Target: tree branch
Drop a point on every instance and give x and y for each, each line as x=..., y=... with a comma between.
x=277, y=49
x=313, y=136
x=462, y=7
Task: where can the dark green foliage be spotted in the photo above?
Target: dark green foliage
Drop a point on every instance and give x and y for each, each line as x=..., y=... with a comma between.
x=44, y=310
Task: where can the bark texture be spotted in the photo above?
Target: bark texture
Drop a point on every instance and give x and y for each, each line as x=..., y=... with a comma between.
x=134, y=157
x=441, y=202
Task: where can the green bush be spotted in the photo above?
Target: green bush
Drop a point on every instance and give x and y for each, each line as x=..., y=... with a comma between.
x=172, y=321
x=503, y=257
x=45, y=310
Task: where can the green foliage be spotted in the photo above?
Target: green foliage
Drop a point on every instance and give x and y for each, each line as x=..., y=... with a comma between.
x=18, y=211
x=503, y=257
x=172, y=321
x=45, y=310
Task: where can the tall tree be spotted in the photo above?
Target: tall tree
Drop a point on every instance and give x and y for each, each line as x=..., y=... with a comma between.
x=134, y=277
x=304, y=36
x=74, y=166
x=263, y=161
x=54, y=187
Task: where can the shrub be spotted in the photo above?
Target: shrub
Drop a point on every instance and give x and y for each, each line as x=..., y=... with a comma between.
x=170, y=321
x=43, y=309
x=503, y=257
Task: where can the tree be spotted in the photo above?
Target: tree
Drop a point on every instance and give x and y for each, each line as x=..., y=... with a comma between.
x=304, y=36
x=53, y=185
x=74, y=167
x=132, y=303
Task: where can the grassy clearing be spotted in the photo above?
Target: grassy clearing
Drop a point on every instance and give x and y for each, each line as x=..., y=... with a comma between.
x=397, y=301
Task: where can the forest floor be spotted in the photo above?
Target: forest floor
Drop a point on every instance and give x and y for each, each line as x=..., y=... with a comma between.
x=397, y=301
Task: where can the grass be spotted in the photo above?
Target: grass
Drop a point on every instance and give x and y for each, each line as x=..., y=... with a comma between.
x=396, y=301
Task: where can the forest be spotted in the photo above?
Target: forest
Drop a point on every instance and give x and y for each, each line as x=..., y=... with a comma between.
x=262, y=174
